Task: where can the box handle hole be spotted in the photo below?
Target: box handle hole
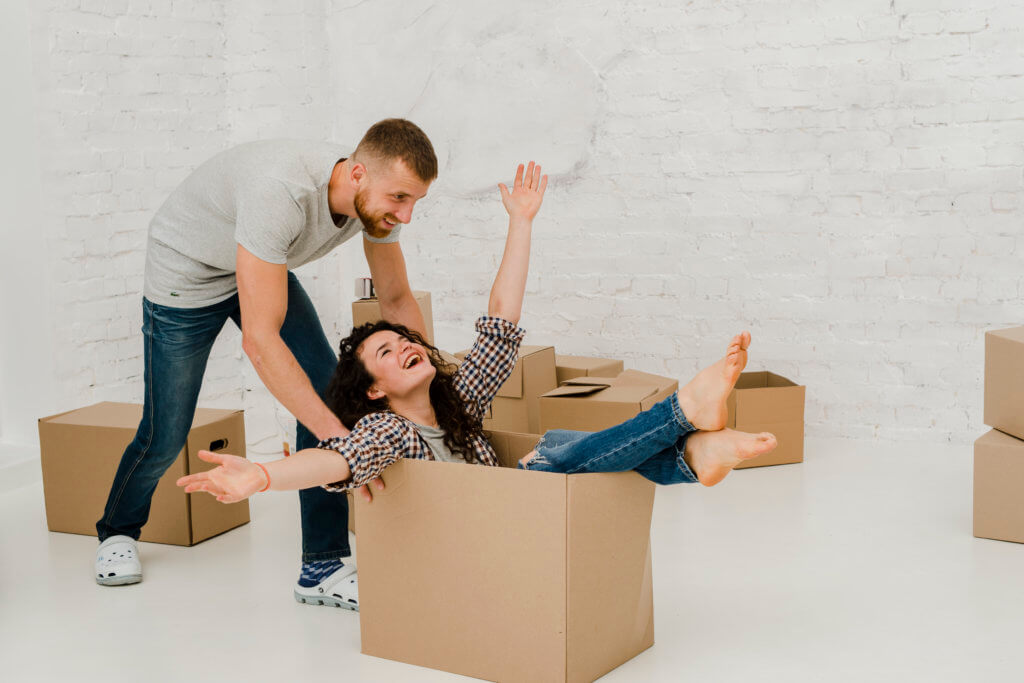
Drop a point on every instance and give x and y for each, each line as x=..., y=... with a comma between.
x=219, y=444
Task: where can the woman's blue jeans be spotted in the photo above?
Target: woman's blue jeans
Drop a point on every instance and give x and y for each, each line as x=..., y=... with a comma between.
x=652, y=443
x=177, y=345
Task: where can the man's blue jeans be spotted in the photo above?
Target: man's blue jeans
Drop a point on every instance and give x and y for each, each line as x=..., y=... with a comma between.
x=177, y=346
x=652, y=443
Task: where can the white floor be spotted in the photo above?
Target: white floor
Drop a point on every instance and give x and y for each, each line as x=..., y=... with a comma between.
x=858, y=565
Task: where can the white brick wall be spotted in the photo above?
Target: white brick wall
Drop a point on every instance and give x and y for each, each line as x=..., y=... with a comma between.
x=843, y=179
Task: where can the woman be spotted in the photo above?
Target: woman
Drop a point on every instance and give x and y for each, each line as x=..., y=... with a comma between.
x=403, y=400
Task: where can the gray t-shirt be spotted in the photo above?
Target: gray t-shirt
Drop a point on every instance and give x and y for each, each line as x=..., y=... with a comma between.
x=270, y=197
x=434, y=437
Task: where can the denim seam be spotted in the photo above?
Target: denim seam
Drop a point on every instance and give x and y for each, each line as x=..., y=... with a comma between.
x=333, y=555
x=677, y=412
x=681, y=462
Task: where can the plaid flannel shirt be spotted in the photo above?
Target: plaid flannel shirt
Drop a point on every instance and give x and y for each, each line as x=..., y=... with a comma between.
x=379, y=439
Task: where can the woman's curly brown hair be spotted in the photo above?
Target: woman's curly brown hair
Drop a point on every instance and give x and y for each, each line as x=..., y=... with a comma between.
x=346, y=394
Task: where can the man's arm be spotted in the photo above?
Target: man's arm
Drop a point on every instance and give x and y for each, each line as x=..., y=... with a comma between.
x=263, y=298
x=390, y=280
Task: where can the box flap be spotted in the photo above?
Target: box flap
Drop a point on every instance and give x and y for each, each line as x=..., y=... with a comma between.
x=1014, y=334
x=510, y=446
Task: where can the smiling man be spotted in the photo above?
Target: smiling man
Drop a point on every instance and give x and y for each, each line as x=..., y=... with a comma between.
x=222, y=246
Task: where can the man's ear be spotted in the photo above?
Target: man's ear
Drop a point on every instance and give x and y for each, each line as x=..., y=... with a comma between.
x=358, y=174
x=374, y=394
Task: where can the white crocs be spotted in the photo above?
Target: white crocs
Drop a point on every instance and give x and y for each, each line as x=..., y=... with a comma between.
x=117, y=562
x=340, y=589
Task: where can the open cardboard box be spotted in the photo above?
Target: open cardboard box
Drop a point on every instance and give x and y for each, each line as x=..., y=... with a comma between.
x=766, y=402
x=504, y=574
x=80, y=452
x=368, y=311
x=591, y=404
x=1004, y=380
x=570, y=367
x=998, y=483
x=516, y=408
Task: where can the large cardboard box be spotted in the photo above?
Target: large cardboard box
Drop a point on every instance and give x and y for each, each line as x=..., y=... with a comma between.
x=504, y=574
x=516, y=408
x=998, y=483
x=591, y=404
x=1004, y=380
x=82, y=448
x=569, y=367
x=766, y=402
x=368, y=311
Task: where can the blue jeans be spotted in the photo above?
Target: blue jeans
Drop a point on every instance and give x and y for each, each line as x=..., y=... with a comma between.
x=177, y=345
x=652, y=443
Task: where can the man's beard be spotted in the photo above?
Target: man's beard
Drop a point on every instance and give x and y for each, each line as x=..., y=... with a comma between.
x=371, y=223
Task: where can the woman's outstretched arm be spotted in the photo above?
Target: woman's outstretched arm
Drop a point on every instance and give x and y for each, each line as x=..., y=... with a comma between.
x=522, y=203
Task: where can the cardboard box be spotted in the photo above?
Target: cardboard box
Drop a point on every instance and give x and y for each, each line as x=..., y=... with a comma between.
x=368, y=311
x=82, y=448
x=591, y=404
x=998, y=482
x=511, y=446
x=569, y=367
x=516, y=408
x=1004, y=380
x=504, y=574
x=766, y=402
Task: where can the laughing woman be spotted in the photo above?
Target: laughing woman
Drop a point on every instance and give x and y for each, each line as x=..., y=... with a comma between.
x=404, y=401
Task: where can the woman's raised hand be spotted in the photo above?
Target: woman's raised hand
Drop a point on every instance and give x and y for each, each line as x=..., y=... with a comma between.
x=233, y=480
x=523, y=200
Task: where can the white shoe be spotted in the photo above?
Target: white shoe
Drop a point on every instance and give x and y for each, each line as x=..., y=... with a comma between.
x=340, y=589
x=117, y=562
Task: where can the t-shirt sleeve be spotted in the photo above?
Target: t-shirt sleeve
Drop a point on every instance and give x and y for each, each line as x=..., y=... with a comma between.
x=392, y=236
x=267, y=220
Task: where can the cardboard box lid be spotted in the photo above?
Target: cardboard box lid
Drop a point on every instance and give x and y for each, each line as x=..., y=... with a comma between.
x=632, y=389
x=1015, y=334
x=126, y=416
x=513, y=386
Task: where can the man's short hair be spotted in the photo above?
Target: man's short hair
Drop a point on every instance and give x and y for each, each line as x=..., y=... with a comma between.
x=399, y=139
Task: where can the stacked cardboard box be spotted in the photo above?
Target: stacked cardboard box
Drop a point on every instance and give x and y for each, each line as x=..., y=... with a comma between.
x=368, y=311
x=516, y=408
x=999, y=454
x=570, y=367
x=505, y=574
x=591, y=404
x=80, y=452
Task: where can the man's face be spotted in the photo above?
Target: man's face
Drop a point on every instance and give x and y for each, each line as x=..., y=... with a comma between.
x=386, y=196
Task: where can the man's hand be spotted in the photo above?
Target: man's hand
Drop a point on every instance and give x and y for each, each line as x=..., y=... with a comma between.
x=233, y=480
x=364, y=490
x=524, y=200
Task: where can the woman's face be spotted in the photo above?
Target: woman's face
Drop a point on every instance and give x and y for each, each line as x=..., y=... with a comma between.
x=399, y=366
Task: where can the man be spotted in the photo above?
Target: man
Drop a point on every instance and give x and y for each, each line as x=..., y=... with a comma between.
x=221, y=247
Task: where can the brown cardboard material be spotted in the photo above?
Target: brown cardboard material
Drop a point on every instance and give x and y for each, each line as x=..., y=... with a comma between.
x=516, y=408
x=519, y=576
x=1004, y=380
x=569, y=367
x=80, y=452
x=766, y=402
x=368, y=311
x=591, y=404
x=998, y=482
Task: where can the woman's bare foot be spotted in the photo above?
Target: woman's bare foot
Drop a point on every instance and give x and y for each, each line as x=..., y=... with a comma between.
x=703, y=399
x=712, y=455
